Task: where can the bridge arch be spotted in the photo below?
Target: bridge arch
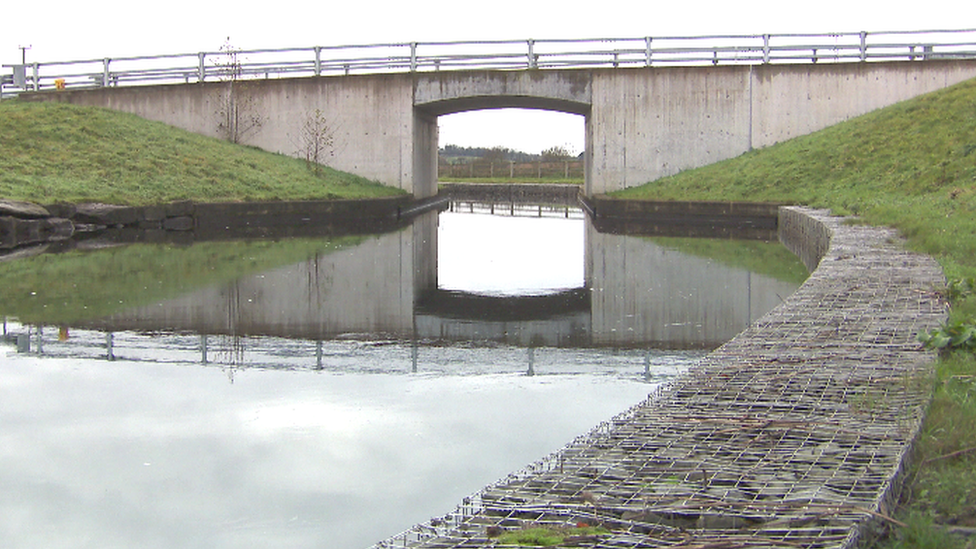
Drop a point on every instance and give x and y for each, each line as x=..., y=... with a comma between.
x=437, y=94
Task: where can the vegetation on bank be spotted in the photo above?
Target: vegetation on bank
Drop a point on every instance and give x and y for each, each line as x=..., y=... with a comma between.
x=56, y=151
x=911, y=166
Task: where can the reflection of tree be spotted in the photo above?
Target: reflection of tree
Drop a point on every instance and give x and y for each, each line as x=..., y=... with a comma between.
x=236, y=110
x=232, y=344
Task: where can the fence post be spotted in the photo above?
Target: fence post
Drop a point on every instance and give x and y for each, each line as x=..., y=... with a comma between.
x=647, y=50
x=765, y=49
x=105, y=77
x=532, y=60
x=864, y=46
x=413, y=57
x=37, y=76
x=318, y=60
x=203, y=67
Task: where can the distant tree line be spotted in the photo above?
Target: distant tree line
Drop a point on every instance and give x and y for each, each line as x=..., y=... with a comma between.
x=458, y=154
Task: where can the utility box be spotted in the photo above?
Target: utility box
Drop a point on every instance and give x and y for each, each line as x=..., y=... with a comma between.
x=20, y=76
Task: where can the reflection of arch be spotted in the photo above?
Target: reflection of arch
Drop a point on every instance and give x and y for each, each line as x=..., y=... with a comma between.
x=553, y=320
x=490, y=308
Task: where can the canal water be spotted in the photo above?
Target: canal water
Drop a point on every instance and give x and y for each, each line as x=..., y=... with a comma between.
x=332, y=392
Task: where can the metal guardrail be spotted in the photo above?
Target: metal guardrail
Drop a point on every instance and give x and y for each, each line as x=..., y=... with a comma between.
x=491, y=55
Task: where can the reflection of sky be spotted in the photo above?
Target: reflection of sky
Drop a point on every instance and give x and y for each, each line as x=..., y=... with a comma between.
x=509, y=255
x=124, y=454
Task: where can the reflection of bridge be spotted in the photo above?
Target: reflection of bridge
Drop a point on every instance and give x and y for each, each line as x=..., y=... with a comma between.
x=645, y=117
x=636, y=293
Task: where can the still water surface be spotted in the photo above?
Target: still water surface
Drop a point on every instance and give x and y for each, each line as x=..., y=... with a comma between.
x=332, y=393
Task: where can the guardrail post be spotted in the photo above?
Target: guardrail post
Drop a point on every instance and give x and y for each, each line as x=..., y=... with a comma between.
x=864, y=46
x=37, y=76
x=765, y=49
x=532, y=59
x=647, y=50
x=318, y=60
x=413, y=57
x=105, y=76
x=202, y=75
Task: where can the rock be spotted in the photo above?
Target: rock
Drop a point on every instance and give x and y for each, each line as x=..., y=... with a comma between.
x=61, y=209
x=23, y=210
x=57, y=228
x=154, y=213
x=179, y=209
x=182, y=223
x=106, y=214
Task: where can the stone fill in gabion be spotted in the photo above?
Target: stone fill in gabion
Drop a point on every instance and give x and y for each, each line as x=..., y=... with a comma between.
x=793, y=434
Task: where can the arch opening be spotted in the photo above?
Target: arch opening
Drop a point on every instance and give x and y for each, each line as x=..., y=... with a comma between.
x=517, y=144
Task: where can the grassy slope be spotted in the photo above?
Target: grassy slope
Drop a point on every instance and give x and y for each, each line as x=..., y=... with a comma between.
x=911, y=166
x=57, y=151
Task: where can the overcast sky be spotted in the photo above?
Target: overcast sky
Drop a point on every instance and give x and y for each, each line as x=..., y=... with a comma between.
x=60, y=30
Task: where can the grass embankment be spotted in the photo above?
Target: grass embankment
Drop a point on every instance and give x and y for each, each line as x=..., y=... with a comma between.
x=911, y=166
x=55, y=151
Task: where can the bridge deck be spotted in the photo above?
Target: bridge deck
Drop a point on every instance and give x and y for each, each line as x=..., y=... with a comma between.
x=793, y=434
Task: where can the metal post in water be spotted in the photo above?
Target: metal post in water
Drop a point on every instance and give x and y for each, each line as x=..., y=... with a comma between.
x=40, y=341
x=318, y=355
x=109, y=344
x=531, y=353
x=414, y=353
x=203, y=348
x=647, y=366
x=23, y=343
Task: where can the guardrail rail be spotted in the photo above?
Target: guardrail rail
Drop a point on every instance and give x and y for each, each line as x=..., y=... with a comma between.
x=227, y=64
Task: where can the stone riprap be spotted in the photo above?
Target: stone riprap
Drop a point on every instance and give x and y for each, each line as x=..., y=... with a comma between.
x=793, y=434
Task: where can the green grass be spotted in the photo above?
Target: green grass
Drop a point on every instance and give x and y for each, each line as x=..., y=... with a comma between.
x=57, y=151
x=515, y=180
x=547, y=536
x=766, y=258
x=911, y=166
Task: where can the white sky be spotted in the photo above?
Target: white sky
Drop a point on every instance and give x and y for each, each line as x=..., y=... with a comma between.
x=60, y=30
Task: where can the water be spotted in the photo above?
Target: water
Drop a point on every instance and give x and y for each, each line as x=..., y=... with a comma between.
x=331, y=393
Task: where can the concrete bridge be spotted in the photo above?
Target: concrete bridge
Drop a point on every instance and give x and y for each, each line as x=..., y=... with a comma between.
x=643, y=120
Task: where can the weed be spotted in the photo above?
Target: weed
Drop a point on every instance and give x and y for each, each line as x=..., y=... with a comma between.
x=548, y=536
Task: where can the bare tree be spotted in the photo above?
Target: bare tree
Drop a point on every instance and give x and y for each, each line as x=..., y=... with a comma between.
x=316, y=140
x=236, y=114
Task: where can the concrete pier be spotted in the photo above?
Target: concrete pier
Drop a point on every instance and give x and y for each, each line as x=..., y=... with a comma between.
x=794, y=433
